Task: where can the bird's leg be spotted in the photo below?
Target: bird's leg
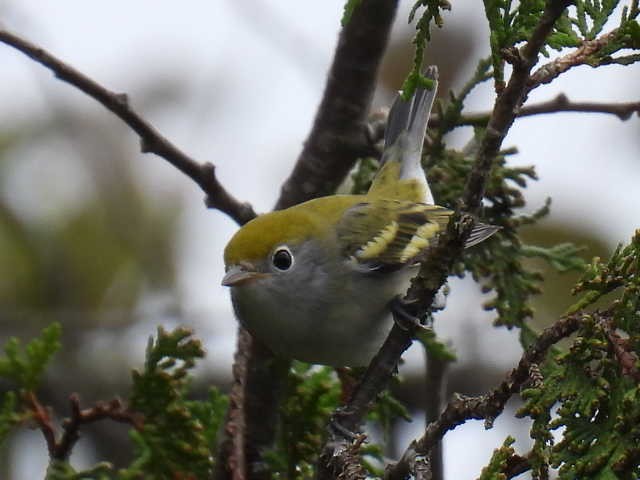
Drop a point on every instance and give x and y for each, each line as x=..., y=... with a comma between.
x=403, y=318
x=337, y=429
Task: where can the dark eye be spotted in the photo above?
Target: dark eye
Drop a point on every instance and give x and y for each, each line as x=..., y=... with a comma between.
x=282, y=259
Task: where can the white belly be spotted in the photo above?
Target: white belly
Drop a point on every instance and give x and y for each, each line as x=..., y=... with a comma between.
x=338, y=325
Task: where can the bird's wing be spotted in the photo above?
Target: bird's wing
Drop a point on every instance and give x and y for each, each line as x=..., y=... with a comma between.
x=387, y=234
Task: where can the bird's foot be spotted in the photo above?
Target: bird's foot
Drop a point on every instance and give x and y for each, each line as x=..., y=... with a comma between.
x=337, y=429
x=404, y=319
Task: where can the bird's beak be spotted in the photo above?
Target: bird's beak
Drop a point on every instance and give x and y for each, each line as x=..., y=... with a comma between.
x=240, y=275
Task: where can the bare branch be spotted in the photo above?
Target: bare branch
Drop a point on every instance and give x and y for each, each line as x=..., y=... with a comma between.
x=517, y=465
x=560, y=103
x=43, y=419
x=230, y=461
x=151, y=141
x=113, y=410
x=61, y=449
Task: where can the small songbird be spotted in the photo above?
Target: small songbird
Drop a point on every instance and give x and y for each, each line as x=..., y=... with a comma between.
x=314, y=282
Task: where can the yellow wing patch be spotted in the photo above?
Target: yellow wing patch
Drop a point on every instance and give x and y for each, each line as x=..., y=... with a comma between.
x=380, y=243
x=402, y=230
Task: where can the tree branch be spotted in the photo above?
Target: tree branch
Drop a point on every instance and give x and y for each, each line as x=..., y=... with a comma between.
x=439, y=261
x=579, y=56
x=560, y=103
x=151, y=141
x=61, y=449
x=338, y=136
x=230, y=454
x=626, y=357
x=485, y=407
x=435, y=388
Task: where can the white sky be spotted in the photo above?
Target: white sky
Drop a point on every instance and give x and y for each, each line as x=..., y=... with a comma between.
x=255, y=81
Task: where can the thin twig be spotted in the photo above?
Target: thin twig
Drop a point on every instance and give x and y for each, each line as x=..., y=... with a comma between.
x=485, y=407
x=42, y=418
x=61, y=449
x=151, y=141
x=114, y=410
x=560, y=103
x=626, y=357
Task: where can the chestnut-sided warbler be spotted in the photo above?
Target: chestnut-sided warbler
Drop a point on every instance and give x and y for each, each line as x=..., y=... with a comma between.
x=314, y=282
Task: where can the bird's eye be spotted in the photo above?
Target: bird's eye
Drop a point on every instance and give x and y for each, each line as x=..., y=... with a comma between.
x=282, y=259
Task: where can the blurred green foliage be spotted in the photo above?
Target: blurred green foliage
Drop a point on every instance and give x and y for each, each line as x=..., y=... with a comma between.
x=23, y=367
x=82, y=259
x=82, y=243
x=175, y=435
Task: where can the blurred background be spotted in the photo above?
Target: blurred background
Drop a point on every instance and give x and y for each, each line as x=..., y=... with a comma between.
x=113, y=243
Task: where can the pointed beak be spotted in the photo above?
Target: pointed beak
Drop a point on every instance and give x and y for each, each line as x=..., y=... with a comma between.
x=240, y=275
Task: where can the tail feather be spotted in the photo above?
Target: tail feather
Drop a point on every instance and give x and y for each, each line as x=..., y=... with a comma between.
x=404, y=136
x=412, y=115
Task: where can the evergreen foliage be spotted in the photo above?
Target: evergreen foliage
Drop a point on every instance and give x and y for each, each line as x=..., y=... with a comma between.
x=22, y=368
x=173, y=436
x=173, y=441
x=499, y=461
x=591, y=392
x=432, y=11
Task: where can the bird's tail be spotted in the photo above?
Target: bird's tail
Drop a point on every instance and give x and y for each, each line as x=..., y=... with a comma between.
x=412, y=115
x=404, y=137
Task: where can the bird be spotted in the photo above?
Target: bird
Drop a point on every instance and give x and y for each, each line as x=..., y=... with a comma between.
x=314, y=282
